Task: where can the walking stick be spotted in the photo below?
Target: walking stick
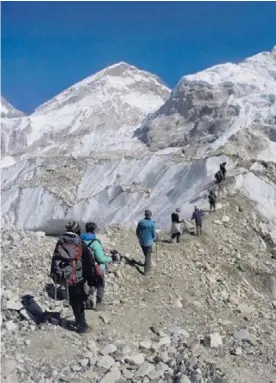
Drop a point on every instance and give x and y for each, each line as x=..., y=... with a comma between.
x=55, y=285
x=67, y=292
x=156, y=246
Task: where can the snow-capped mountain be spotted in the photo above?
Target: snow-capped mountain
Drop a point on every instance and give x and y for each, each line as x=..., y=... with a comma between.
x=228, y=104
x=99, y=113
x=8, y=111
x=225, y=110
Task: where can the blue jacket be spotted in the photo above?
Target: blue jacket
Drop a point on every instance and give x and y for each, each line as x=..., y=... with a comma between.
x=145, y=232
x=197, y=216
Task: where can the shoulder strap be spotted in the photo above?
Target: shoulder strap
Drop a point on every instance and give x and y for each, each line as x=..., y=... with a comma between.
x=91, y=250
x=93, y=240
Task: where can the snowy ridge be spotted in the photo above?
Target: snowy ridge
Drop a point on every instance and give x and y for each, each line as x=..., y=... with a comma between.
x=257, y=72
x=8, y=111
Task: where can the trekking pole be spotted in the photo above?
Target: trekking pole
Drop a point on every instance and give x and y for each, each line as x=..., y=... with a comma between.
x=55, y=288
x=67, y=291
x=156, y=245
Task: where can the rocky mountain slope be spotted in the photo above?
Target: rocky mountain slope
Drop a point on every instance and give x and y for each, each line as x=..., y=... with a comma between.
x=99, y=113
x=229, y=107
x=206, y=315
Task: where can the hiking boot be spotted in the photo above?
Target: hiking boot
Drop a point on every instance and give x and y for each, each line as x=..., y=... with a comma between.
x=81, y=329
x=147, y=272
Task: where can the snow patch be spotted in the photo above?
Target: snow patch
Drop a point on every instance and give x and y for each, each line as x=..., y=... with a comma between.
x=263, y=193
x=7, y=162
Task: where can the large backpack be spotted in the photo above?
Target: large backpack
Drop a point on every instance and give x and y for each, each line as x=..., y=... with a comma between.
x=218, y=176
x=97, y=271
x=66, y=267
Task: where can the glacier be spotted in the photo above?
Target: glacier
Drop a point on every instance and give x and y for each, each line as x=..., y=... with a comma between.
x=116, y=191
x=120, y=141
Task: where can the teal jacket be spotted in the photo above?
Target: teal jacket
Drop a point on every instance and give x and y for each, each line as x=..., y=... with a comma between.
x=97, y=247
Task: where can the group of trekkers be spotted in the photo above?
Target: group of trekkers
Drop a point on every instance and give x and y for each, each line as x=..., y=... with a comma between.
x=79, y=261
x=177, y=224
x=221, y=173
x=79, y=264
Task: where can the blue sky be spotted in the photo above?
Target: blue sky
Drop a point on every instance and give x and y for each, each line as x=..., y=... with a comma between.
x=48, y=46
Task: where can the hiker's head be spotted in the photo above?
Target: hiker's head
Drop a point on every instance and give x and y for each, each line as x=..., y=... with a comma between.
x=148, y=213
x=177, y=209
x=73, y=226
x=196, y=207
x=91, y=227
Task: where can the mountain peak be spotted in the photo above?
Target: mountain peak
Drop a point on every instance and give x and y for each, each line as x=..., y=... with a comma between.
x=115, y=80
x=120, y=64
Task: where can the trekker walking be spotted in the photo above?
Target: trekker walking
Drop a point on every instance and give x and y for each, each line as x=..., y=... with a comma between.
x=146, y=234
x=176, y=226
x=212, y=200
x=101, y=259
x=222, y=168
x=218, y=177
x=198, y=217
x=72, y=265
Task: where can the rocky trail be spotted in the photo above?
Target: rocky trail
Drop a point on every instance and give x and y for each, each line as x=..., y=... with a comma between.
x=206, y=314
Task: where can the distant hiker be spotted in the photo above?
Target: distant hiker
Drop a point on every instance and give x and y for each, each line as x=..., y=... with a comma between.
x=101, y=260
x=218, y=177
x=198, y=217
x=146, y=234
x=176, y=227
x=72, y=265
x=222, y=168
x=212, y=200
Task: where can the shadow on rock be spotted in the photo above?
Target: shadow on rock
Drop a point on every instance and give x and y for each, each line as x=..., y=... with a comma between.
x=133, y=263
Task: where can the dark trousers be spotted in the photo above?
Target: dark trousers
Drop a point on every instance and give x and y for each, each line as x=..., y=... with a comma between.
x=198, y=228
x=177, y=236
x=76, y=300
x=147, y=250
x=212, y=206
x=99, y=290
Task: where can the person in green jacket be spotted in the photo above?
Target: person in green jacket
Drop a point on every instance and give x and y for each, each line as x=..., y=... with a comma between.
x=101, y=259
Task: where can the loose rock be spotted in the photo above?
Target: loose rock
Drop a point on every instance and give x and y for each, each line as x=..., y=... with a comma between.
x=105, y=362
x=144, y=370
x=112, y=376
x=213, y=340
